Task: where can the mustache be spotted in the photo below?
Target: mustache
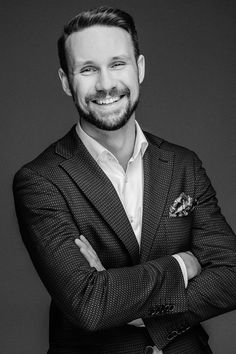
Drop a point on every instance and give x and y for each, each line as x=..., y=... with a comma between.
x=102, y=94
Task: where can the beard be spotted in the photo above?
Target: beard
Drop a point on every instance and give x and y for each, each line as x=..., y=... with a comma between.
x=109, y=121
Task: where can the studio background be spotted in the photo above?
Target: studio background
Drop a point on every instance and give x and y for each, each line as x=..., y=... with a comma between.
x=188, y=97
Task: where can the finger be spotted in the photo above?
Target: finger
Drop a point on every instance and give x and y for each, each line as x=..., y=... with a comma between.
x=90, y=248
x=190, y=253
x=89, y=254
x=86, y=251
x=79, y=242
x=86, y=254
x=84, y=247
x=93, y=262
x=88, y=259
x=82, y=238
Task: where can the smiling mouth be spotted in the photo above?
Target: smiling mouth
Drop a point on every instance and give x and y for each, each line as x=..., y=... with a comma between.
x=108, y=100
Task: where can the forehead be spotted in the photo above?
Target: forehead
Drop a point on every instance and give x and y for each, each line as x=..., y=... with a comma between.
x=99, y=43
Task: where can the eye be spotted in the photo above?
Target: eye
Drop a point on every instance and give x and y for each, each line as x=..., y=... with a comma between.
x=88, y=70
x=118, y=65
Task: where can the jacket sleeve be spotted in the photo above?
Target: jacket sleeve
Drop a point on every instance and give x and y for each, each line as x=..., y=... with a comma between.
x=213, y=292
x=92, y=300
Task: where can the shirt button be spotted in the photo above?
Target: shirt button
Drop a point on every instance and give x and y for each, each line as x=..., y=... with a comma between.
x=131, y=219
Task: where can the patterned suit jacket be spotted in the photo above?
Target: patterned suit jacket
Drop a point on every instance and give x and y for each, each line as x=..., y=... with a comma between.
x=63, y=193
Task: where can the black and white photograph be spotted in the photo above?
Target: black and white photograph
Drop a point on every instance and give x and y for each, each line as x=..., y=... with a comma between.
x=118, y=177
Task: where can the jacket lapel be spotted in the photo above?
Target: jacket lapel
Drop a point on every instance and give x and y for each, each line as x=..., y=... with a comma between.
x=158, y=167
x=97, y=187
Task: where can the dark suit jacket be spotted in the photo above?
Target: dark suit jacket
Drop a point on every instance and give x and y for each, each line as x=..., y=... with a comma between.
x=63, y=193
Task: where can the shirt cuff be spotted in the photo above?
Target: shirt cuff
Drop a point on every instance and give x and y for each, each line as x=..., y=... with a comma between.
x=183, y=268
x=137, y=323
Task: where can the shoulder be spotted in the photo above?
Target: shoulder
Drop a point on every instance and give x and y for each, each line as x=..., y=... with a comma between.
x=180, y=152
x=49, y=160
x=46, y=159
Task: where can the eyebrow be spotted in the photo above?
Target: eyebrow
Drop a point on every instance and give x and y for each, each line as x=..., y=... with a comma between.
x=120, y=57
x=81, y=63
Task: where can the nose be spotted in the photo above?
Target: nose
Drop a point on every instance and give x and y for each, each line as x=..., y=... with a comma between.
x=105, y=81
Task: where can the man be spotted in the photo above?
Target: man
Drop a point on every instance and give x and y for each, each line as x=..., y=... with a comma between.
x=122, y=226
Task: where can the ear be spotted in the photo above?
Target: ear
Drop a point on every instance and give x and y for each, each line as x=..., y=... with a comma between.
x=64, y=82
x=141, y=68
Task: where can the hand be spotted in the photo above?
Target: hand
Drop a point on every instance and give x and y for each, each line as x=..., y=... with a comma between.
x=193, y=267
x=88, y=252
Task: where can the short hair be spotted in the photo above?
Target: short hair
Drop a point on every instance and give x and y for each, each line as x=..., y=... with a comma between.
x=105, y=16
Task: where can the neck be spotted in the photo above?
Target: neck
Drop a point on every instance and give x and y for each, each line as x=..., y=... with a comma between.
x=119, y=142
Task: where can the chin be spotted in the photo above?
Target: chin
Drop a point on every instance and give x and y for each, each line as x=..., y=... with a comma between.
x=109, y=125
x=106, y=121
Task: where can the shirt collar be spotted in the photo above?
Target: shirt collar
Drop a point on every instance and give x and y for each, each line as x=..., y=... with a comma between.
x=141, y=143
x=97, y=150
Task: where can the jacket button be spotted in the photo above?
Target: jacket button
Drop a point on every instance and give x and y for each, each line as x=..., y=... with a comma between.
x=152, y=312
x=172, y=335
x=157, y=309
x=186, y=329
x=180, y=330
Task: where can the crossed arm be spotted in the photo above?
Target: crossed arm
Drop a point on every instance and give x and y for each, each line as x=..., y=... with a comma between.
x=192, y=265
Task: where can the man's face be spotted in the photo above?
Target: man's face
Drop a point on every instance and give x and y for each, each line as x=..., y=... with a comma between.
x=104, y=76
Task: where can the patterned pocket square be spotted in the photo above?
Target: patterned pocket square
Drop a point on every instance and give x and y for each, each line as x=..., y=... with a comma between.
x=182, y=206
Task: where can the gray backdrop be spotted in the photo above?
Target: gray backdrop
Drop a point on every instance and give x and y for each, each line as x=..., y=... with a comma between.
x=188, y=97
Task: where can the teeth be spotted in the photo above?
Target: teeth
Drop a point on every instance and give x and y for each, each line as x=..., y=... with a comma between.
x=108, y=100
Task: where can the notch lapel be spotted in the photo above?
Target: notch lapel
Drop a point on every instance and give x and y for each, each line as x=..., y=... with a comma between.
x=158, y=168
x=97, y=187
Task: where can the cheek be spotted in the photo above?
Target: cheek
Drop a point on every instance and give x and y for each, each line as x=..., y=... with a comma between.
x=81, y=91
x=82, y=86
x=134, y=81
x=134, y=88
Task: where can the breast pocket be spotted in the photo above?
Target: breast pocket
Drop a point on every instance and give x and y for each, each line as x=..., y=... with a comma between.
x=178, y=232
